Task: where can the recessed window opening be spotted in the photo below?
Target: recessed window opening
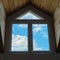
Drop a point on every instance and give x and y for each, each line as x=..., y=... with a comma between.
x=30, y=32
x=39, y=34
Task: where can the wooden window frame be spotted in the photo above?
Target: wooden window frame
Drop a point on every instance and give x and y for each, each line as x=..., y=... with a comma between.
x=47, y=20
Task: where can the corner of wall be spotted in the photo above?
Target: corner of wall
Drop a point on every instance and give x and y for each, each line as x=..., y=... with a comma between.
x=57, y=23
x=2, y=20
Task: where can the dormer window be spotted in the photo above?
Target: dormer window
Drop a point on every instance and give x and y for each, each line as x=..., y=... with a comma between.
x=29, y=31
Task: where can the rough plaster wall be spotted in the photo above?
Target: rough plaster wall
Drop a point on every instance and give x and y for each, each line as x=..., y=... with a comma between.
x=2, y=20
x=57, y=23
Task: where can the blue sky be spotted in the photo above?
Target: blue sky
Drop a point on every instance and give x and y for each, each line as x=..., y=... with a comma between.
x=20, y=36
x=30, y=15
x=40, y=36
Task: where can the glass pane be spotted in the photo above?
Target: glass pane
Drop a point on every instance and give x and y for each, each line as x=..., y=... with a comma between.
x=40, y=37
x=19, y=37
x=30, y=15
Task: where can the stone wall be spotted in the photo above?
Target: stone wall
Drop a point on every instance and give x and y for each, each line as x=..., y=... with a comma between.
x=57, y=23
x=2, y=20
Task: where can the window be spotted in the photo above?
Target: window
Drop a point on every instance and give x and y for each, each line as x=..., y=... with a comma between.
x=19, y=37
x=30, y=15
x=29, y=31
x=40, y=37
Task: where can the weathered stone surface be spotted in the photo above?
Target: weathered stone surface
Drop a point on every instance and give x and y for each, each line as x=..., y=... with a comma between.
x=2, y=20
x=57, y=23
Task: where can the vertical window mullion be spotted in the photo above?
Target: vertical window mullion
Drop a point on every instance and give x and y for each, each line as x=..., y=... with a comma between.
x=30, y=37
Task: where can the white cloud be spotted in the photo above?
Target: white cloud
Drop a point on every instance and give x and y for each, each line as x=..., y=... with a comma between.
x=20, y=43
x=35, y=25
x=39, y=25
x=38, y=49
x=35, y=46
x=44, y=34
x=23, y=25
x=13, y=36
x=37, y=28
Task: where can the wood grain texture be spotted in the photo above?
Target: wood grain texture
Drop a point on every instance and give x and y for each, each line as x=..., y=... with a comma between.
x=11, y=5
x=47, y=5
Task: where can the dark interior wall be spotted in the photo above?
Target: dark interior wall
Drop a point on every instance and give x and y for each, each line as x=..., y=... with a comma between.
x=1, y=57
x=1, y=44
x=58, y=49
x=30, y=57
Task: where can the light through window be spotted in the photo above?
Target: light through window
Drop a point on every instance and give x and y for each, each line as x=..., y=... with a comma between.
x=40, y=37
x=19, y=37
x=30, y=33
x=39, y=34
x=30, y=15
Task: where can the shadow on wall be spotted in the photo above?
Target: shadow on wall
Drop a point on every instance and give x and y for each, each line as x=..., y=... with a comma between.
x=58, y=50
x=1, y=44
